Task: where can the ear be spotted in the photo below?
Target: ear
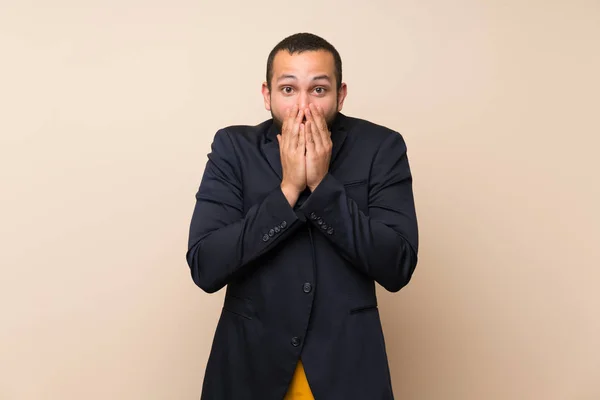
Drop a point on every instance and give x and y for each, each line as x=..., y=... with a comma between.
x=342, y=93
x=266, y=96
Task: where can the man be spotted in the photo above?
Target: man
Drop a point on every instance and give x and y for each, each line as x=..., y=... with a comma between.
x=299, y=217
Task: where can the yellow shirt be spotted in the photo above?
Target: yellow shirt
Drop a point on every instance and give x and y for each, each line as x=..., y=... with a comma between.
x=299, y=388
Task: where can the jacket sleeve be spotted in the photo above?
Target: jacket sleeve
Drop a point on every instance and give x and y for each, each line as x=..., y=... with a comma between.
x=223, y=241
x=383, y=244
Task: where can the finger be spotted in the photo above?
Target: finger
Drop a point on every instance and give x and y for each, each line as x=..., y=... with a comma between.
x=325, y=132
x=320, y=127
x=281, y=145
x=318, y=124
x=302, y=137
x=314, y=127
x=300, y=116
x=296, y=128
x=288, y=121
x=309, y=114
x=317, y=137
x=310, y=127
x=296, y=133
x=290, y=118
x=310, y=141
x=285, y=119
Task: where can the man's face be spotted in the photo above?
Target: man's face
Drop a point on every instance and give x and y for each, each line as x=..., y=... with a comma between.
x=301, y=79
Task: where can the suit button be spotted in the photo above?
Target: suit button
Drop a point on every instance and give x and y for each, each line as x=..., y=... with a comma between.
x=313, y=216
x=320, y=221
x=283, y=225
x=307, y=287
x=265, y=237
x=277, y=229
x=330, y=231
x=324, y=227
x=295, y=341
x=271, y=232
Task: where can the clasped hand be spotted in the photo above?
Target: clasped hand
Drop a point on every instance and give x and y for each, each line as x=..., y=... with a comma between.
x=305, y=148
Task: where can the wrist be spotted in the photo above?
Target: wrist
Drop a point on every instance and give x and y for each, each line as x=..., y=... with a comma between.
x=290, y=193
x=314, y=186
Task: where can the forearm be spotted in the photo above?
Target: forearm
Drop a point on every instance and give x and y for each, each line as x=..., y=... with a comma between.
x=218, y=254
x=377, y=247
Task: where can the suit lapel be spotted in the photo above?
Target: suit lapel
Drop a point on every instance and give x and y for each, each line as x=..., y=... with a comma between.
x=270, y=149
x=270, y=145
x=338, y=136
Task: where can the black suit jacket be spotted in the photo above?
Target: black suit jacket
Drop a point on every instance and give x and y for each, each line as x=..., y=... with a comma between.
x=301, y=281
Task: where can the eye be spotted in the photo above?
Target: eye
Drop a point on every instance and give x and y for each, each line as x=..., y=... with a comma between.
x=320, y=90
x=287, y=89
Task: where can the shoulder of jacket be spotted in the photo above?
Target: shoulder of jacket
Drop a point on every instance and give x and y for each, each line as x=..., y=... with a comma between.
x=246, y=130
x=371, y=130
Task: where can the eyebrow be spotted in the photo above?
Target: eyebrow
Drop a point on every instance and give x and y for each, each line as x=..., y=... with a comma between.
x=316, y=78
x=320, y=77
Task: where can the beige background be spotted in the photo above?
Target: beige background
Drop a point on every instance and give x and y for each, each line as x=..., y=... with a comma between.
x=108, y=109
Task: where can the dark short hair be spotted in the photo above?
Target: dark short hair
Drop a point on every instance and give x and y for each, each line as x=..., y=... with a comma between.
x=301, y=42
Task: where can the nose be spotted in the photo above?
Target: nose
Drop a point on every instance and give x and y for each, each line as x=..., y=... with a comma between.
x=303, y=100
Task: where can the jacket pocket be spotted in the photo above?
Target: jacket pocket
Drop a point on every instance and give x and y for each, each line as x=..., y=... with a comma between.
x=238, y=306
x=361, y=309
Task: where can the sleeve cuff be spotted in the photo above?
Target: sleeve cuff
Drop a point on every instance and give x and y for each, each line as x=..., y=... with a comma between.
x=320, y=204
